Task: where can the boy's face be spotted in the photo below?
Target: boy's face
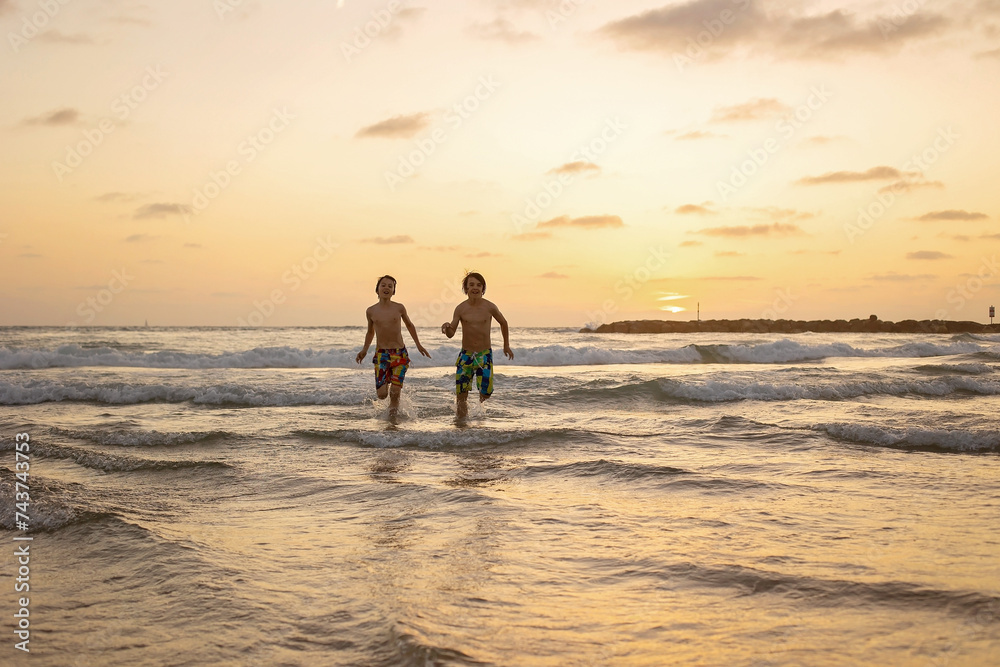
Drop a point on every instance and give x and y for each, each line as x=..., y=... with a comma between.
x=386, y=287
x=473, y=287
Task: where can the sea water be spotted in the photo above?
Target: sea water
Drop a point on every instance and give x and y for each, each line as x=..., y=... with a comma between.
x=238, y=497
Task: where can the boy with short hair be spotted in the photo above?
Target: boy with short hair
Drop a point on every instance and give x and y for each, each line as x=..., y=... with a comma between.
x=476, y=316
x=391, y=359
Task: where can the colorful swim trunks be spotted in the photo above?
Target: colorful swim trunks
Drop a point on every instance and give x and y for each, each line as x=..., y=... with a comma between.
x=478, y=364
x=390, y=365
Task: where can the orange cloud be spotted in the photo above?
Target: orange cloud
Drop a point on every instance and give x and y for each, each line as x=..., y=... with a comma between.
x=776, y=229
x=586, y=222
x=397, y=127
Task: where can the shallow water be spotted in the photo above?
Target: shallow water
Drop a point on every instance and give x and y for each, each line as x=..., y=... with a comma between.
x=230, y=496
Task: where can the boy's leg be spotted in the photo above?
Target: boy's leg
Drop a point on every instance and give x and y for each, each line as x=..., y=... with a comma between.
x=394, y=398
x=462, y=401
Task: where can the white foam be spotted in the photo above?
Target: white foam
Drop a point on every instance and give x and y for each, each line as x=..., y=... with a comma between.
x=44, y=391
x=965, y=441
x=722, y=391
x=771, y=352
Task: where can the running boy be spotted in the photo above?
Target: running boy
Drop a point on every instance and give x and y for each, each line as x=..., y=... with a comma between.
x=476, y=314
x=391, y=359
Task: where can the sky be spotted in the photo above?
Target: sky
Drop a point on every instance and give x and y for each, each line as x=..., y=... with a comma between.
x=263, y=163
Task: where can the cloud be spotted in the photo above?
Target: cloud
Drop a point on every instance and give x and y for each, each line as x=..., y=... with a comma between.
x=691, y=209
x=953, y=215
x=67, y=116
x=532, y=236
x=881, y=173
x=397, y=127
x=586, y=222
x=694, y=135
x=389, y=240
x=691, y=244
x=776, y=229
x=927, y=254
x=723, y=278
x=755, y=109
x=994, y=53
x=483, y=255
x=729, y=253
x=441, y=248
x=902, y=187
x=6, y=6
x=892, y=276
x=119, y=196
x=192, y=245
x=57, y=37
x=137, y=238
x=30, y=255
x=553, y=274
x=161, y=210
x=780, y=214
x=578, y=167
x=502, y=30
x=776, y=32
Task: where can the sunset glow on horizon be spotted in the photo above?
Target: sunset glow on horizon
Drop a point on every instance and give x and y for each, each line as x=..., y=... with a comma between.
x=262, y=163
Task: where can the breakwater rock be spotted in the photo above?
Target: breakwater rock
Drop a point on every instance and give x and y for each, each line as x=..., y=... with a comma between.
x=870, y=325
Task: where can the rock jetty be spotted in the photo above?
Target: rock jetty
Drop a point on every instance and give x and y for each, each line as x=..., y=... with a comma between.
x=870, y=325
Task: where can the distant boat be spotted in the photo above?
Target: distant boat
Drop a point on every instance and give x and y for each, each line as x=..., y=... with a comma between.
x=146, y=324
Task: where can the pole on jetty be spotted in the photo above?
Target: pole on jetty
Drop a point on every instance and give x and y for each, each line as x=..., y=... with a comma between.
x=699, y=312
x=992, y=313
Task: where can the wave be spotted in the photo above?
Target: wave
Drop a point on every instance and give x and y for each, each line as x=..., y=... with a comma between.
x=774, y=352
x=603, y=467
x=947, y=369
x=142, y=438
x=113, y=462
x=45, y=391
x=914, y=438
x=818, y=590
x=48, y=512
x=722, y=391
x=433, y=439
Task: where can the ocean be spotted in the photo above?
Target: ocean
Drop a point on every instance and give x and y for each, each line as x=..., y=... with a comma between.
x=224, y=496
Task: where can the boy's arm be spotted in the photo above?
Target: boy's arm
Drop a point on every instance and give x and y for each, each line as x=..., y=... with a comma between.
x=449, y=329
x=413, y=331
x=368, y=337
x=498, y=316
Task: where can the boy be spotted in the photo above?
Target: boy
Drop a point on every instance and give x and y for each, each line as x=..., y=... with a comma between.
x=476, y=314
x=391, y=359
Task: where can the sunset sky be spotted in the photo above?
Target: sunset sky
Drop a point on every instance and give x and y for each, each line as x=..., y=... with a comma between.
x=264, y=162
